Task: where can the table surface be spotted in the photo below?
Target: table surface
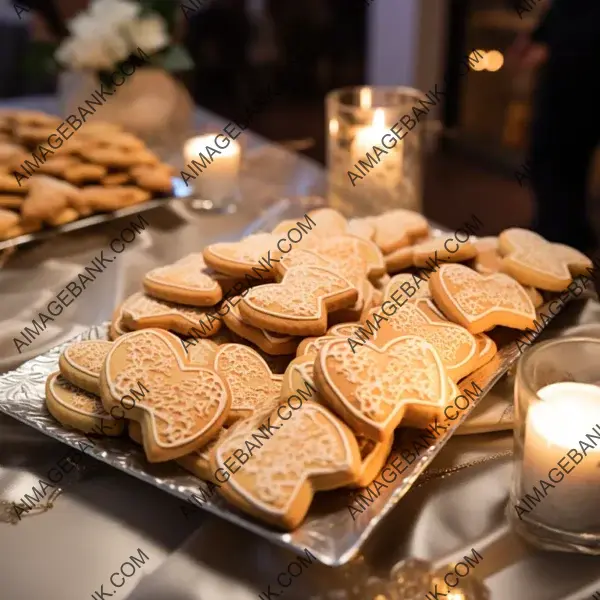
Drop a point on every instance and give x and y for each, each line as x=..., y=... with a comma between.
x=103, y=516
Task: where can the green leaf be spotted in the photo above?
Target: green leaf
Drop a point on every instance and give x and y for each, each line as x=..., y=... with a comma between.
x=39, y=58
x=174, y=58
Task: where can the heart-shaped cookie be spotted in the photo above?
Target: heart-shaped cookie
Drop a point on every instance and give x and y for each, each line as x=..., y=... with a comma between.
x=408, y=284
x=186, y=281
x=310, y=451
x=200, y=351
x=81, y=363
x=183, y=405
x=252, y=385
x=268, y=341
x=398, y=228
x=372, y=454
x=443, y=248
x=141, y=312
x=373, y=388
x=251, y=256
x=456, y=347
x=79, y=409
x=486, y=347
x=299, y=304
x=532, y=260
x=479, y=302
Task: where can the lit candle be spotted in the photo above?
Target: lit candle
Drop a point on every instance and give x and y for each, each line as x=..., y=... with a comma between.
x=388, y=174
x=216, y=172
x=566, y=419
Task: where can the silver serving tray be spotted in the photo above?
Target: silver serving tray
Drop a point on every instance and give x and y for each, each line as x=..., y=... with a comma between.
x=179, y=191
x=329, y=531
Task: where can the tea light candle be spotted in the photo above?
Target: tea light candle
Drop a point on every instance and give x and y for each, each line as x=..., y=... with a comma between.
x=216, y=172
x=567, y=418
x=389, y=172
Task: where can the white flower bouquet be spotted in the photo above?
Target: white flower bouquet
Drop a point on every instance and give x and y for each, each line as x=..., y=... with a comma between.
x=112, y=31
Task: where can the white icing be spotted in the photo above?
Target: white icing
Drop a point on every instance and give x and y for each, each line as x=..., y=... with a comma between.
x=87, y=356
x=300, y=295
x=310, y=444
x=478, y=296
x=406, y=371
x=182, y=409
x=188, y=273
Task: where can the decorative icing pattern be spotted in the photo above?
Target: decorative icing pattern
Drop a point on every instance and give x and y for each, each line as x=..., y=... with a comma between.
x=381, y=382
x=88, y=356
x=202, y=352
x=188, y=272
x=308, y=444
x=455, y=345
x=344, y=330
x=249, y=250
x=401, y=278
x=139, y=306
x=475, y=295
x=300, y=294
x=76, y=399
x=253, y=386
x=184, y=400
x=534, y=252
x=396, y=227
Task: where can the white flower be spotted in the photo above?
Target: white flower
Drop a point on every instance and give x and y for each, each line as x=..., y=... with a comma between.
x=149, y=33
x=114, y=13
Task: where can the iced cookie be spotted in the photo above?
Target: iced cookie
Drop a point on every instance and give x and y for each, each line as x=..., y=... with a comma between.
x=201, y=352
x=481, y=302
x=198, y=463
x=185, y=282
x=407, y=284
x=362, y=228
x=48, y=197
x=117, y=327
x=373, y=389
x=81, y=362
x=268, y=341
x=399, y=259
x=182, y=407
x=443, y=249
x=8, y=220
x=488, y=259
x=455, y=345
x=81, y=173
x=140, y=312
x=253, y=388
x=532, y=260
x=251, y=256
x=309, y=451
x=398, y=228
x=373, y=454
x=300, y=303
x=79, y=409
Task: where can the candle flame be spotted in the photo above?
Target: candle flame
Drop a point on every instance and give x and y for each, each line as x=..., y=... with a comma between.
x=334, y=126
x=366, y=97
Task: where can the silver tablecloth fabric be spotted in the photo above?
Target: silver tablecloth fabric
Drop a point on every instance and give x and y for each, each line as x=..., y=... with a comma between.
x=104, y=516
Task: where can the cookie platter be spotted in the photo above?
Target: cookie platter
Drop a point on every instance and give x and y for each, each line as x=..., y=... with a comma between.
x=180, y=191
x=330, y=530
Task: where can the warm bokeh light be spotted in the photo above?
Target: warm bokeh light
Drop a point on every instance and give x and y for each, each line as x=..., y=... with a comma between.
x=474, y=57
x=334, y=126
x=365, y=98
x=494, y=60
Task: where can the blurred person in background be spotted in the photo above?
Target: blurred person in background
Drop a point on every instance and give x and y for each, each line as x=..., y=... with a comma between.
x=565, y=127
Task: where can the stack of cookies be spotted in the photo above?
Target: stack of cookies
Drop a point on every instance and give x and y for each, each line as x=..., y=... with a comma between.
x=97, y=168
x=275, y=370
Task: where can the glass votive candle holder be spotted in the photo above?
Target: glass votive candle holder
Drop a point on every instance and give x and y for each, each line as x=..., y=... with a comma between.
x=375, y=148
x=212, y=169
x=555, y=493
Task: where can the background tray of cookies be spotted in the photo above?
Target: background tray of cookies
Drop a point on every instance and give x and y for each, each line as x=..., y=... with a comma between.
x=339, y=521
x=101, y=174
